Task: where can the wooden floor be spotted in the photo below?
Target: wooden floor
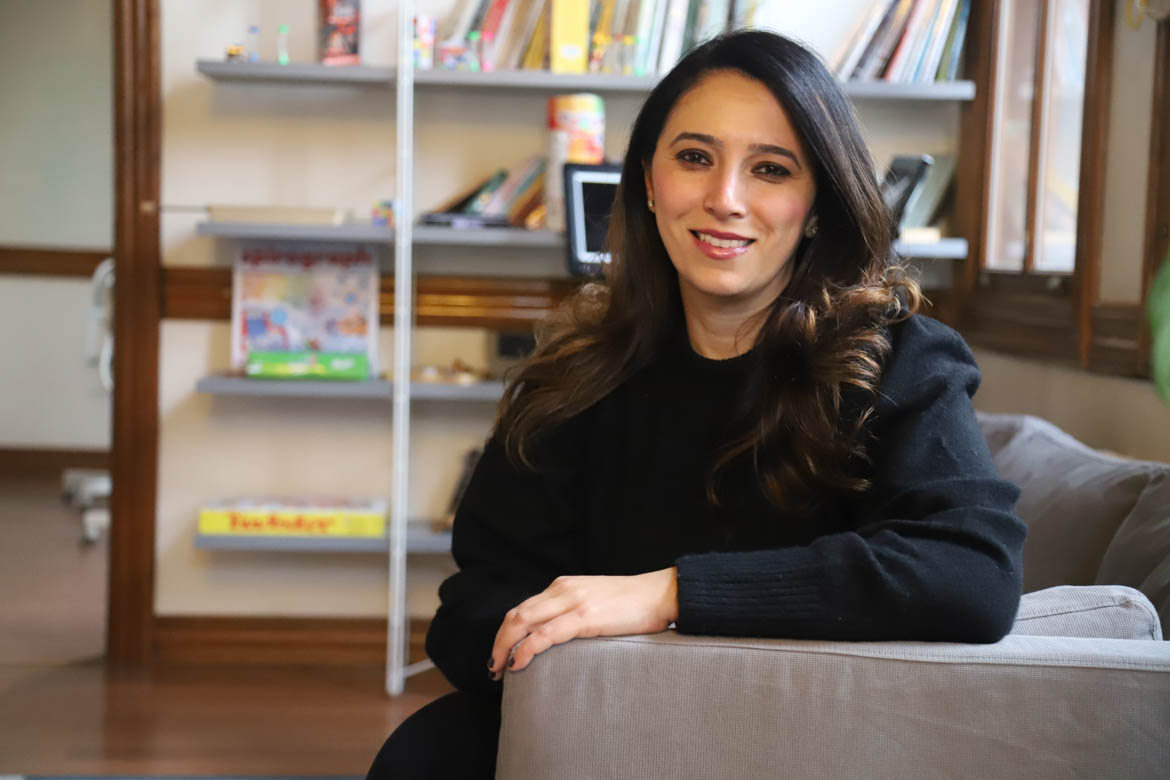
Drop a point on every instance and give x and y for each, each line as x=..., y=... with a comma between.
x=61, y=712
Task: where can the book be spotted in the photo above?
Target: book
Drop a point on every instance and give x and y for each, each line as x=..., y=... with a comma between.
x=938, y=40
x=569, y=36
x=881, y=46
x=871, y=21
x=518, y=178
x=465, y=21
x=952, y=55
x=536, y=55
x=850, y=47
x=295, y=517
x=650, y=40
x=599, y=37
x=339, y=32
x=913, y=41
x=498, y=13
x=513, y=49
x=673, y=32
x=304, y=313
x=922, y=207
x=484, y=196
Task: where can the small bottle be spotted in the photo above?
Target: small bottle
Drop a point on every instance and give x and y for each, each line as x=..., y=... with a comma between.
x=254, y=43
x=282, y=44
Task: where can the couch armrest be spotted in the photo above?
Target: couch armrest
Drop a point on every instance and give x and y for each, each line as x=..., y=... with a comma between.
x=670, y=706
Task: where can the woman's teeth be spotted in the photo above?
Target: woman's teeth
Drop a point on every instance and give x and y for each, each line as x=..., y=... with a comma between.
x=723, y=243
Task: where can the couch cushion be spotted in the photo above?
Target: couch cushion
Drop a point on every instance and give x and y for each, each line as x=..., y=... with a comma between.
x=1100, y=612
x=1073, y=500
x=1139, y=555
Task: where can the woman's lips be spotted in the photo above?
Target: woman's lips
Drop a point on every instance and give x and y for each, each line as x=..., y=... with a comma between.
x=719, y=252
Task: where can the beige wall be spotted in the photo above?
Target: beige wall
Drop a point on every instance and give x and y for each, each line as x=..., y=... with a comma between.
x=56, y=190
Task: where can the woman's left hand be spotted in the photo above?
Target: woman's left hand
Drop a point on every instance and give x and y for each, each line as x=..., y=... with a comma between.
x=581, y=607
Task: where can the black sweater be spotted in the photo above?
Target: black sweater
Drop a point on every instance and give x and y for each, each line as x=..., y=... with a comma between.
x=930, y=552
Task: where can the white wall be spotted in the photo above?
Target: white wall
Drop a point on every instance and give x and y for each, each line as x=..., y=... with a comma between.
x=56, y=191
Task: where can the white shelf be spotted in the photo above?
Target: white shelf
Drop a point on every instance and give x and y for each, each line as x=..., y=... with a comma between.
x=295, y=388
x=296, y=73
x=434, y=234
x=537, y=80
x=275, y=231
x=377, y=389
x=944, y=249
x=420, y=539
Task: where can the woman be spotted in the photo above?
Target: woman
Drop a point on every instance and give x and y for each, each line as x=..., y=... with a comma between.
x=747, y=431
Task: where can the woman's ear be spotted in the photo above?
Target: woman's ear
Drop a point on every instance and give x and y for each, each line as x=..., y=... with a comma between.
x=649, y=184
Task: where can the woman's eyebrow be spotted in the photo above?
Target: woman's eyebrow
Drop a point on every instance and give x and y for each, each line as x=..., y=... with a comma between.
x=711, y=140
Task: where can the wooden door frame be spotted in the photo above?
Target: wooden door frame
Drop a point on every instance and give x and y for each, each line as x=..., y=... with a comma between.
x=137, y=306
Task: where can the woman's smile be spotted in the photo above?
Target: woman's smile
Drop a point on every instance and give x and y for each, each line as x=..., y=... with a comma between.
x=721, y=246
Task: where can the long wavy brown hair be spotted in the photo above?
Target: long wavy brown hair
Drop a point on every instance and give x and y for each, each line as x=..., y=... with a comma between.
x=820, y=350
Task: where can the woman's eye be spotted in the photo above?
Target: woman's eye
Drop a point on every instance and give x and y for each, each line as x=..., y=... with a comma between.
x=773, y=170
x=692, y=157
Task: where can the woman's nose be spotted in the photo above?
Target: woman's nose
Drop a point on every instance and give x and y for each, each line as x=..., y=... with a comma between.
x=724, y=199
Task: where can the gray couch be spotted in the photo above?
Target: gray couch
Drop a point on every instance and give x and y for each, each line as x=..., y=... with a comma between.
x=1080, y=688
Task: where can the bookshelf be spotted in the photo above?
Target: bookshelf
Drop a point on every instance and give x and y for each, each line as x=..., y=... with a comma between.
x=409, y=534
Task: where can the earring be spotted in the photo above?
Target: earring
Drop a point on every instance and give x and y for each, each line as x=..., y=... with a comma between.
x=811, y=230
x=650, y=203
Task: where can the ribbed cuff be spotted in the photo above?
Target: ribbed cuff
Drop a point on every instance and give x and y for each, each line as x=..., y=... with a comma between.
x=775, y=593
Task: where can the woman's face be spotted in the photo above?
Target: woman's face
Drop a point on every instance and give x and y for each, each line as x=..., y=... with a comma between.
x=732, y=191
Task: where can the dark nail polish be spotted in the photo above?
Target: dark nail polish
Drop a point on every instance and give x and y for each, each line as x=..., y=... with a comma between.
x=491, y=662
x=511, y=662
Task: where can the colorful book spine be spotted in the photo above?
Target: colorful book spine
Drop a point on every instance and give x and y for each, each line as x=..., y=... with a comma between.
x=569, y=36
x=909, y=46
x=292, y=519
x=938, y=41
x=878, y=53
x=954, y=54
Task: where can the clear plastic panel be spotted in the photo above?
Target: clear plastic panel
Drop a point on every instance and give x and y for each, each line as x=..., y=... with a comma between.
x=1012, y=135
x=1060, y=140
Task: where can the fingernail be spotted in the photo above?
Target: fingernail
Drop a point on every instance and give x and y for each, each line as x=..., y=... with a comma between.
x=511, y=662
x=491, y=662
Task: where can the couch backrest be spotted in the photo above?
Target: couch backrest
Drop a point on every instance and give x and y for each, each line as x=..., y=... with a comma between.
x=1092, y=518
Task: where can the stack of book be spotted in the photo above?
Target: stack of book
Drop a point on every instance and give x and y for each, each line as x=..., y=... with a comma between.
x=507, y=198
x=905, y=41
x=629, y=37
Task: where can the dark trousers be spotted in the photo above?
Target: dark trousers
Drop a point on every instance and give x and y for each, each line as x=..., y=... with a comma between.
x=454, y=736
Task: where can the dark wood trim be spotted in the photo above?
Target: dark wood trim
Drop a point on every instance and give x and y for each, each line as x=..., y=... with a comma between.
x=49, y=462
x=137, y=139
x=973, y=174
x=41, y=261
x=1040, y=80
x=1117, y=332
x=205, y=294
x=276, y=641
x=1029, y=316
x=1157, y=226
x=1091, y=192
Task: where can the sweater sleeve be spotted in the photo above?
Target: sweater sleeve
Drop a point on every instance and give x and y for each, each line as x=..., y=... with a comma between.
x=936, y=548
x=513, y=535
